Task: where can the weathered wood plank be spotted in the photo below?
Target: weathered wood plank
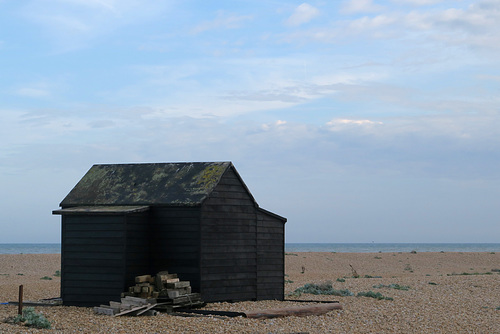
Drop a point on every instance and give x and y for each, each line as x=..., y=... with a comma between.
x=111, y=242
x=211, y=297
x=221, y=262
x=228, y=209
x=221, y=256
x=230, y=249
x=243, y=236
x=98, y=256
x=235, y=226
x=95, y=234
x=223, y=283
x=104, y=310
x=228, y=277
x=299, y=311
x=230, y=201
x=214, y=217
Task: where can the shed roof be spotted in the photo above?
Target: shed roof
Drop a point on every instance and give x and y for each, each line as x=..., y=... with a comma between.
x=147, y=184
x=102, y=210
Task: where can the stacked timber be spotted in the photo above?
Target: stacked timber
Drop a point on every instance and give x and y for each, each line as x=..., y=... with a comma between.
x=164, y=292
x=170, y=286
x=143, y=288
x=174, y=293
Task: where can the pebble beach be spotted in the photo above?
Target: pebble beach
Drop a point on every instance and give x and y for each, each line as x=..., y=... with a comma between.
x=428, y=292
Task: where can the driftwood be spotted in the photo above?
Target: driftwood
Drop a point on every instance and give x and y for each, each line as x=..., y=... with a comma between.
x=295, y=311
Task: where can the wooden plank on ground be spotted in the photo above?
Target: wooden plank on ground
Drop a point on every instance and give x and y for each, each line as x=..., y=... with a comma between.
x=295, y=311
x=104, y=310
x=146, y=309
x=131, y=311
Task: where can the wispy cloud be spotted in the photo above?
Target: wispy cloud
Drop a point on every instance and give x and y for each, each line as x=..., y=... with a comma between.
x=477, y=24
x=360, y=6
x=73, y=24
x=223, y=20
x=418, y=2
x=302, y=14
x=357, y=122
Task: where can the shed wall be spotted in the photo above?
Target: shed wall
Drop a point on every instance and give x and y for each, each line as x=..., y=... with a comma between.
x=270, y=257
x=93, y=259
x=137, y=247
x=228, y=242
x=175, y=242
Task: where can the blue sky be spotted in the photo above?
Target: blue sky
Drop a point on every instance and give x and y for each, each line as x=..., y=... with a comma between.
x=358, y=120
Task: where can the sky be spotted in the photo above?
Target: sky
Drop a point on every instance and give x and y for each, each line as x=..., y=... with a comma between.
x=357, y=120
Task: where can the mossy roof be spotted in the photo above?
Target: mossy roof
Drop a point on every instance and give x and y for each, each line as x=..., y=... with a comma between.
x=179, y=184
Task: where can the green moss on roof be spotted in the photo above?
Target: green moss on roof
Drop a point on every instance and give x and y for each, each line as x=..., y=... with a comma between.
x=147, y=184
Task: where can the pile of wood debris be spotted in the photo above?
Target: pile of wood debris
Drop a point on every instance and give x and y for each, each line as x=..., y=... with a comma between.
x=150, y=294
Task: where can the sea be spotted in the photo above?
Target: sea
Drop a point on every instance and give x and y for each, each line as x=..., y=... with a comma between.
x=55, y=248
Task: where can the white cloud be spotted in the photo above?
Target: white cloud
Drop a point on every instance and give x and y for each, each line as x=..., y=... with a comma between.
x=275, y=125
x=473, y=26
x=418, y=2
x=222, y=21
x=302, y=14
x=360, y=6
x=340, y=124
x=371, y=23
x=32, y=92
x=101, y=4
x=73, y=24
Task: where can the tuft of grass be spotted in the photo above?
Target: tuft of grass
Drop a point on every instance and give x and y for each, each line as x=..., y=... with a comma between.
x=371, y=294
x=325, y=288
x=58, y=273
x=291, y=254
x=369, y=276
x=32, y=319
x=432, y=283
x=288, y=281
x=495, y=270
x=341, y=280
x=46, y=278
x=393, y=286
x=408, y=268
x=413, y=252
x=377, y=257
x=498, y=308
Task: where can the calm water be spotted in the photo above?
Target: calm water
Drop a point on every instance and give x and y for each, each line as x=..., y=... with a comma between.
x=305, y=247
x=30, y=248
x=392, y=247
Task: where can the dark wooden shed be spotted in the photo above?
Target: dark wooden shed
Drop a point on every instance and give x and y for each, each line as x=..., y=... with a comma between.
x=198, y=220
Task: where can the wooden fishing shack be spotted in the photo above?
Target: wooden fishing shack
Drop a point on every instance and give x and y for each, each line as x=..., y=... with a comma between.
x=198, y=220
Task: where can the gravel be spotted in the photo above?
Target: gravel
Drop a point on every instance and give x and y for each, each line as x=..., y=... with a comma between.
x=440, y=298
